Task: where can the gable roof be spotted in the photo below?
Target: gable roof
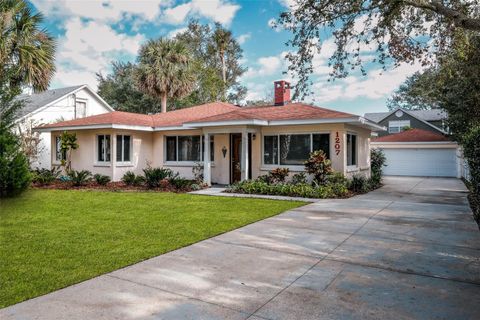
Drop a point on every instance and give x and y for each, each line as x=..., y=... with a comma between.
x=413, y=135
x=214, y=114
x=425, y=115
x=37, y=101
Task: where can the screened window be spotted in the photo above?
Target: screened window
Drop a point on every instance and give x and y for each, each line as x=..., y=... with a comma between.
x=293, y=149
x=80, y=109
x=186, y=148
x=123, y=148
x=270, y=150
x=59, y=155
x=103, y=148
x=351, y=150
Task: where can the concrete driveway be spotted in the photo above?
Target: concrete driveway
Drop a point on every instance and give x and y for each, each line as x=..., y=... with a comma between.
x=409, y=250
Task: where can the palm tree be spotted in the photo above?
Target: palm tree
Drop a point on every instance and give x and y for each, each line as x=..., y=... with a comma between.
x=27, y=52
x=222, y=39
x=165, y=70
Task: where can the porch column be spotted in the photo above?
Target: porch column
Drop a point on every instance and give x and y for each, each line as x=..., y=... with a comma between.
x=207, y=164
x=244, y=160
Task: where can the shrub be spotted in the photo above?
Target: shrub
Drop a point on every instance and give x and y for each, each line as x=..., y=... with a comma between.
x=153, y=176
x=180, y=183
x=80, y=178
x=336, y=178
x=299, y=178
x=359, y=184
x=279, y=175
x=267, y=178
x=471, y=147
x=319, y=166
x=377, y=160
x=197, y=171
x=101, y=179
x=131, y=179
x=15, y=174
x=45, y=176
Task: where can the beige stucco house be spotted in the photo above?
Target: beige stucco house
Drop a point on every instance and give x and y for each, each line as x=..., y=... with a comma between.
x=232, y=143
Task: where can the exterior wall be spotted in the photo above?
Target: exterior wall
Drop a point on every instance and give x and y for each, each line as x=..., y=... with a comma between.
x=84, y=158
x=149, y=149
x=61, y=110
x=414, y=123
x=338, y=160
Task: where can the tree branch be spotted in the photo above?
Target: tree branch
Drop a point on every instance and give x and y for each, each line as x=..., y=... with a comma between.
x=459, y=18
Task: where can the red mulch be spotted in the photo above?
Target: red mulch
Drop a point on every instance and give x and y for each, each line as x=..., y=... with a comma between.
x=111, y=186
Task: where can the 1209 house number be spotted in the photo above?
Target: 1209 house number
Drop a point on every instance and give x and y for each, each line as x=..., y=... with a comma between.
x=337, y=144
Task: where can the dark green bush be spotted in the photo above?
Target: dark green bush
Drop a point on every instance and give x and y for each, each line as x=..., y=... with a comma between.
x=80, y=178
x=471, y=147
x=336, y=178
x=154, y=176
x=299, y=178
x=359, y=184
x=377, y=160
x=15, y=174
x=131, y=179
x=101, y=179
x=45, y=176
x=180, y=183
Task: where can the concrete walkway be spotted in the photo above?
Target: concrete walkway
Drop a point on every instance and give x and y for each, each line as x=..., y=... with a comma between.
x=409, y=250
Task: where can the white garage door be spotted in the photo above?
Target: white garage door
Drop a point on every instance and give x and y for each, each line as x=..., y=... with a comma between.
x=421, y=162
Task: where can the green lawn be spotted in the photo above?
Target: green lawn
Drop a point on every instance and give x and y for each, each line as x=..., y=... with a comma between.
x=54, y=238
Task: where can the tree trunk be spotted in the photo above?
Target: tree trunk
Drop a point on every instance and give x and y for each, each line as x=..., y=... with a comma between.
x=224, y=74
x=164, y=102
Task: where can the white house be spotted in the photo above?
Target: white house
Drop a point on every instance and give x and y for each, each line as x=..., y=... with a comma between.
x=53, y=106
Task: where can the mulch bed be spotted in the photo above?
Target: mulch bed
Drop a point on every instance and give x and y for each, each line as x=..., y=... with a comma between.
x=111, y=186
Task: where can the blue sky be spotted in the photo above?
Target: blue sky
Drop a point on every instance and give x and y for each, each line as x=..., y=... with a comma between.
x=92, y=33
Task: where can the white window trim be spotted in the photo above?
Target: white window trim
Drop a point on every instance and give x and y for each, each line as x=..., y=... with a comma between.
x=124, y=163
x=98, y=163
x=397, y=124
x=292, y=167
x=84, y=100
x=352, y=167
x=183, y=163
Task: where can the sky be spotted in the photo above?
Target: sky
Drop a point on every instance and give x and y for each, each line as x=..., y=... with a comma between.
x=92, y=33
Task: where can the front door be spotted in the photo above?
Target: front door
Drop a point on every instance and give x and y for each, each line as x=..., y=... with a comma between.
x=235, y=157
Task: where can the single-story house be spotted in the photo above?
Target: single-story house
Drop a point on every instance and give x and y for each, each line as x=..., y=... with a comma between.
x=419, y=152
x=232, y=143
x=52, y=106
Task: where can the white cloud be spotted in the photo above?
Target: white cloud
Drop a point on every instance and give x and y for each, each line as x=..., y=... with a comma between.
x=88, y=47
x=221, y=11
x=243, y=38
x=272, y=23
x=173, y=33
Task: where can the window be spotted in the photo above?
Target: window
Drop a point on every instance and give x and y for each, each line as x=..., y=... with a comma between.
x=80, y=109
x=398, y=126
x=103, y=148
x=123, y=148
x=293, y=149
x=187, y=148
x=351, y=149
x=59, y=155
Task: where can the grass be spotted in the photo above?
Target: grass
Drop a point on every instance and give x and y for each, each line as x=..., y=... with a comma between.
x=54, y=238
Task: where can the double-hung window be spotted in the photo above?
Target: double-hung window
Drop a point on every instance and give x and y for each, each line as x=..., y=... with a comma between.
x=123, y=148
x=103, y=148
x=293, y=149
x=186, y=148
x=398, y=126
x=59, y=155
x=351, y=149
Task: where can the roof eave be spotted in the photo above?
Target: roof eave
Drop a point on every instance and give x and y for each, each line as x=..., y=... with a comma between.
x=94, y=126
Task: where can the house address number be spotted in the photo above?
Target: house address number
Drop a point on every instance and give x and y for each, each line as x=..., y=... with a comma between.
x=337, y=143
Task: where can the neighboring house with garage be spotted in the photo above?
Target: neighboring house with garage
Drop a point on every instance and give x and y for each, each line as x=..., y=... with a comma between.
x=232, y=143
x=56, y=105
x=416, y=143
x=398, y=120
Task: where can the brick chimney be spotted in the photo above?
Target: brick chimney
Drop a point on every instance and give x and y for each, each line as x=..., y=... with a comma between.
x=282, y=92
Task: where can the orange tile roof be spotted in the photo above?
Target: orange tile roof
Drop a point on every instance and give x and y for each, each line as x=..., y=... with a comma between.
x=216, y=111
x=292, y=111
x=413, y=135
